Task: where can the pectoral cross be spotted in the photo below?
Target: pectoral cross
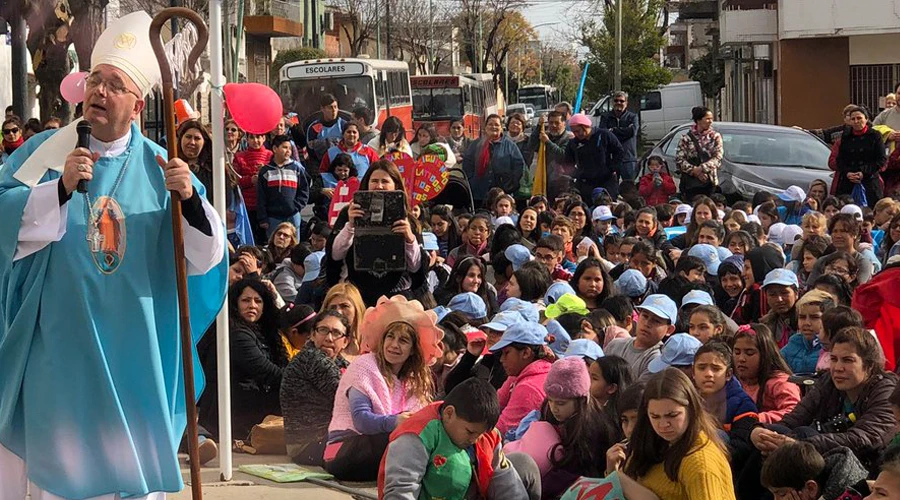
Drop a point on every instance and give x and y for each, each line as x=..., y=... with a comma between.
x=95, y=240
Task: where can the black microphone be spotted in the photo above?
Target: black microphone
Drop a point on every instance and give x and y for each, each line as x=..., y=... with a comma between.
x=84, y=141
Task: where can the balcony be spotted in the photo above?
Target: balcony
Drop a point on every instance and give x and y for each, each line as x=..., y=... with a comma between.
x=749, y=25
x=695, y=9
x=835, y=18
x=274, y=18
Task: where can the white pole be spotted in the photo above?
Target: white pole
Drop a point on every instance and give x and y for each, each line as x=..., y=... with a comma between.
x=218, y=141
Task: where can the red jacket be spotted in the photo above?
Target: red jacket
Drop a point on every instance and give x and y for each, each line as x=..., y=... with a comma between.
x=656, y=195
x=247, y=164
x=879, y=303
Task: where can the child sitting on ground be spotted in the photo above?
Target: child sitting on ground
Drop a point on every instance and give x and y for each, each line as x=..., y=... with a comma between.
x=797, y=471
x=441, y=450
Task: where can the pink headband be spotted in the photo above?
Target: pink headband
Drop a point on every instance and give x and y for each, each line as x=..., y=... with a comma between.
x=746, y=329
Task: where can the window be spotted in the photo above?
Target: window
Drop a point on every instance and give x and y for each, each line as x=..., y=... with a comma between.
x=672, y=147
x=651, y=101
x=399, y=88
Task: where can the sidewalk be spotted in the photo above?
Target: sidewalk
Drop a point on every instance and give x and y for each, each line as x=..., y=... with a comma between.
x=246, y=487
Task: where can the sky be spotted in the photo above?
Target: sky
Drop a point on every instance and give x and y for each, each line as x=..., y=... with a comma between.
x=551, y=11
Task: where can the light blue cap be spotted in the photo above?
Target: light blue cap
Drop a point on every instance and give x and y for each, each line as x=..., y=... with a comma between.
x=556, y=291
x=503, y=320
x=584, y=348
x=679, y=350
x=469, y=304
x=441, y=312
x=660, y=305
x=558, y=338
x=708, y=254
x=528, y=310
x=700, y=297
x=312, y=264
x=523, y=332
x=430, y=241
x=632, y=283
x=517, y=255
x=781, y=276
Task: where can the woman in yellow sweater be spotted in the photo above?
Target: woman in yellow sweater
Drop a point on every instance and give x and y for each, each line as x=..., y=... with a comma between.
x=675, y=452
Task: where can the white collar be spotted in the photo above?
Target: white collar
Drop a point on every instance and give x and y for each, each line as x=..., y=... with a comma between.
x=111, y=149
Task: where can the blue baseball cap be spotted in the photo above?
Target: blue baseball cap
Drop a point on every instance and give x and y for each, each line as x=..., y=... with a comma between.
x=441, y=312
x=523, y=332
x=430, y=241
x=724, y=253
x=632, y=283
x=503, y=320
x=660, y=305
x=517, y=255
x=558, y=338
x=708, y=254
x=557, y=290
x=469, y=304
x=312, y=265
x=697, y=297
x=781, y=276
x=679, y=350
x=584, y=348
x=528, y=310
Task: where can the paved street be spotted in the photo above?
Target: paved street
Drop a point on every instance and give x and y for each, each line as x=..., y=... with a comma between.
x=246, y=487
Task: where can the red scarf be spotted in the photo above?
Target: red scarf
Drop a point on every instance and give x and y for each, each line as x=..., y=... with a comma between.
x=861, y=132
x=9, y=147
x=485, y=158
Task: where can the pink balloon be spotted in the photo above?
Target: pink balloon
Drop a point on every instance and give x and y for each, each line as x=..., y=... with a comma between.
x=255, y=107
x=72, y=87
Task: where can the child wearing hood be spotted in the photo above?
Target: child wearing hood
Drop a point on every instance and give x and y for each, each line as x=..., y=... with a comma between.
x=758, y=262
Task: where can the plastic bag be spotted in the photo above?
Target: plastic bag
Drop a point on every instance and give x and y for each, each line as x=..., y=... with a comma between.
x=859, y=195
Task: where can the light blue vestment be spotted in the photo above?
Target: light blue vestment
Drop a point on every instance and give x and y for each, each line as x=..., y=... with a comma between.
x=91, y=381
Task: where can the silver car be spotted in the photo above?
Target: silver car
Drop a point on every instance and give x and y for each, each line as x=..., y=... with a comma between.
x=756, y=158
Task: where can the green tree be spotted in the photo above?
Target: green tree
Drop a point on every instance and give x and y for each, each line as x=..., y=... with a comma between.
x=642, y=38
x=710, y=72
x=291, y=55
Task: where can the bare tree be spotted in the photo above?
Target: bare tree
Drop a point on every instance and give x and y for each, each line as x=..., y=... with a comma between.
x=412, y=31
x=359, y=22
x=489, y=15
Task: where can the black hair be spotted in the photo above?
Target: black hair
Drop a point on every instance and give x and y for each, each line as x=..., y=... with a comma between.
x=544, y=218
x=584, y=437
x=364, y=113
x=445, y=212
x=791, y=466
x=843, y=289
x=299, y=254
x=474, y=400
x=615, y=370
x=459, y=272
x=761, y=197
x=719, y=348
x=664, y=212
x=268, y=320
x=571, y=323
x=688, y=263
x=815, y=245
x=319, y=228
x=279, y=140
x=608, y=285
x=454, y=339
x=716, y=226
x=630, y=399
x=698, y=113
x=551, y=242
x=343, y=159
x=839, y=317
x=749, y=241
x=537, y=200
x=620, y=306
x=326, y=100
x=534, y=280
x=294, y=316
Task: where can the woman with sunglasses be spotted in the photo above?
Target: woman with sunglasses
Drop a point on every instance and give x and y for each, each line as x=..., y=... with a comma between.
x=12, y=137
x=309, y=385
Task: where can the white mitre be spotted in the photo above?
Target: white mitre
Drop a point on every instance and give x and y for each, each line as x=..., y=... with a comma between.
x=125, y=44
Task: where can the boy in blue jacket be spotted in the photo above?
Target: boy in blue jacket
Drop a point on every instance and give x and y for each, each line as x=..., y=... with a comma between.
x=803, y=349
x=282, y=188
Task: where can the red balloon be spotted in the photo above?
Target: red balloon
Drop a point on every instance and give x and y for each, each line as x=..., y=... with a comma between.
x=255, y=107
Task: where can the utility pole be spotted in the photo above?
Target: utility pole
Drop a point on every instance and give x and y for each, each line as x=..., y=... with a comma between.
x=378, y=39
x=19, y=68
x=617, y=85
x=315, y=23
x=226, y=35
x=480, y=42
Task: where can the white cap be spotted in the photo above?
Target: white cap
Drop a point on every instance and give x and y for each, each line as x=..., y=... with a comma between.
x=854, y=210
x=602, y=212
x=793, y=193
x=776, y=233
x=504, y=220
x=790, y=234
x=683, y=208
x=125, y=45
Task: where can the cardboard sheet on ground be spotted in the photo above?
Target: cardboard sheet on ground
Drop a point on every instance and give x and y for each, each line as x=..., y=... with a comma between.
x=284, y=473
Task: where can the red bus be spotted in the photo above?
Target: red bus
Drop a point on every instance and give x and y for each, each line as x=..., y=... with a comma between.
x=380, y=85
x=440, y=99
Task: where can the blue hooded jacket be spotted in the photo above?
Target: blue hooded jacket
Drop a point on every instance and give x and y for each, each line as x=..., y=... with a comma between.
x=802, y=355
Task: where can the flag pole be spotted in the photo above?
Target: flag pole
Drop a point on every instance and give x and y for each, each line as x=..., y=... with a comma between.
x=581, y=88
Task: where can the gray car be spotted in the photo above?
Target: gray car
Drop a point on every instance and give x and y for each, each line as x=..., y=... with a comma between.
x=757, y=158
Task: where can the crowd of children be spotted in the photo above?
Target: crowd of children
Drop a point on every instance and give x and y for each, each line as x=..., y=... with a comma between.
x=639, y=346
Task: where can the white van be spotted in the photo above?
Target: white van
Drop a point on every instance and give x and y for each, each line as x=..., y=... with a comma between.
x=661, y=109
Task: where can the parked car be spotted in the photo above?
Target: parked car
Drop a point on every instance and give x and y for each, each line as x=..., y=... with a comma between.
x=660, y=110
x=756, y=158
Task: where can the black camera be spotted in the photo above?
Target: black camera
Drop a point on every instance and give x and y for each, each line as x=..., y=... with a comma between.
x=838, y=423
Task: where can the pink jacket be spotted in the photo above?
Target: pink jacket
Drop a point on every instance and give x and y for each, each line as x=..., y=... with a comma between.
x=780, y=398
x=614, y=332
x=522, y=394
